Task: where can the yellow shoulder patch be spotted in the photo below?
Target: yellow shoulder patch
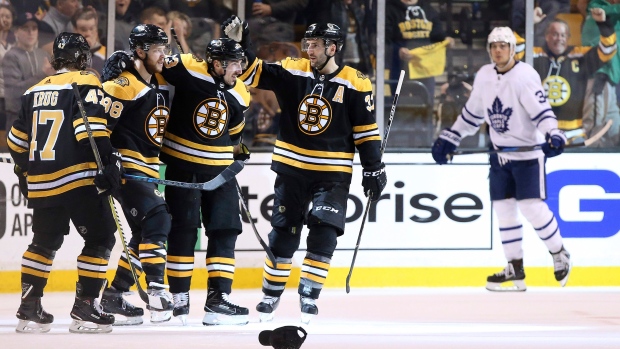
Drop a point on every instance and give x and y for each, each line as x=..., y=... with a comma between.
x=355, y=78
x=296, y=64
x=243, y=91
x=126, y=86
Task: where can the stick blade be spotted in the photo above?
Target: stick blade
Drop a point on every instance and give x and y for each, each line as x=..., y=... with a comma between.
x=588, y=142
x=229, y=173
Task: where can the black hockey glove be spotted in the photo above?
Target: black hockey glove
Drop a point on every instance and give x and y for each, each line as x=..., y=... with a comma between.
x=554, y=143
x=23, y=181
x=117, y=63
x=237, y=30
x=108, y=181
x=444, y=145
x=243, y=153
x=374, y=181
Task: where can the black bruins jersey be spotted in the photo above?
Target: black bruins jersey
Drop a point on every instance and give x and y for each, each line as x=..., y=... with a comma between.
x=564, y=77
x=324, y=118
x=50, y=142
x=207, y=117
x=137, y=117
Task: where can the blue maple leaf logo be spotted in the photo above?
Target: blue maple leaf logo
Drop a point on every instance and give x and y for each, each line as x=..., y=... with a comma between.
x=499, y=116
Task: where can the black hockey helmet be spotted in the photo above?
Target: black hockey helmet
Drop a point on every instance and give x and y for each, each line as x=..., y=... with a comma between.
x=326, y=31
x=145, y=35
x=224, y=49
x=71, y=49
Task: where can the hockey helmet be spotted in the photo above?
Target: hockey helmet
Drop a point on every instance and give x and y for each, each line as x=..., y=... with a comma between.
x=326, y=31
x=145, y=35
x=502, y=34
x=223, y=50
x=71, y=48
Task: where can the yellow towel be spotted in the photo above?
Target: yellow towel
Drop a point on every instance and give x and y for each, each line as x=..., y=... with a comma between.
x=429, y=60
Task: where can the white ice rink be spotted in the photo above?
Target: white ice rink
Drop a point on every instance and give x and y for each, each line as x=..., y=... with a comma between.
x=542, y=318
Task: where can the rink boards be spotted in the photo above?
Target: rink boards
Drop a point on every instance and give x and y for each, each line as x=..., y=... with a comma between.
x=434, y=226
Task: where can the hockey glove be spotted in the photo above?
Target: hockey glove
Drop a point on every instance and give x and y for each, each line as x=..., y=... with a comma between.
x=554, y=143
x=444, y=145
x=242, y=153
x=374, y=181
x=237, y=30
x=23, y=181
x=108, y=181
x=117, y=63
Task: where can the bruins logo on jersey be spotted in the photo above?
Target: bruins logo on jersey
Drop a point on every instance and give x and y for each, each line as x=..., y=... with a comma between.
x=557, y=89
x=361, y=75
x=121, y=80
x=315, y=115
x=211, y=117
x=155, y=125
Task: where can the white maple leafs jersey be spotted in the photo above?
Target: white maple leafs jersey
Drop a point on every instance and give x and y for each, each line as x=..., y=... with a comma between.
x=514, y=106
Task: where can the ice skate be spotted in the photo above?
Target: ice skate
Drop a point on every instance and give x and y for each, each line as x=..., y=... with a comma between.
x=267, y=308
x=220, y=311
x=160, y=302
x=125, y=313
x=562, y=266
x=32, y=317
x=308, y=309
x=181, y=306
x=513, y=272
x=88, y=317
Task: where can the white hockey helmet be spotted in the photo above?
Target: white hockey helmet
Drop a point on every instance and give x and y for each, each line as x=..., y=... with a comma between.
x=502, y=34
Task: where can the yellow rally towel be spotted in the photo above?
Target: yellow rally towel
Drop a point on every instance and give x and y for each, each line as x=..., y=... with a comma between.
x=429, y=60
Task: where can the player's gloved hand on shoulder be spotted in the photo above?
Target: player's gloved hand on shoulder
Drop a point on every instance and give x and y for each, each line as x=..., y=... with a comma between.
x=242, y=153
x=374, y=181
x=445, y=144
x=108, y=181
x=554, y=143
x=23, y=181
x=117, y=63
x=237, y=30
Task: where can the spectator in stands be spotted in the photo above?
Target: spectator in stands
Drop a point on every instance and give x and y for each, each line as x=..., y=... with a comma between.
x=213, y=9
x=272, y=20
x=156, y=16
x=550, y=7
x=85, y=22
x=7, y=14
x=601, y=102
x=565, y=69
x=24, y=65
x=59, y=15
x=125, y=21
x=182, y=25
x=411, y=24
x=349, y=16
x=37, y=7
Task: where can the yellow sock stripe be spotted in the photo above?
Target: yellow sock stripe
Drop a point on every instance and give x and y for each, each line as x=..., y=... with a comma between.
x=92, y=274
x=220, y=273
x=37, y=258
x=179, y=274
x=180, y=259
x=92, y=260
x=220, y=260
x=153, y=260
x=37, y=273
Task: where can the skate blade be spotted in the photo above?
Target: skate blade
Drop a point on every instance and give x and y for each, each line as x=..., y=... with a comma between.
x=127, y=321
x=79, y=326
x=213, y=319
x=565, y=279
x=305, y=318
x=183, y=319
x=266, y=317
x=518, y=286
x=27, y=326
x=158, y=317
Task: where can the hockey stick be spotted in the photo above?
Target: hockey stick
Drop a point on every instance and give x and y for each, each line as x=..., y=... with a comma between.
x=93, y=145
x=227, y=174
x=382, y=149
x=270, y=255
x=176, y=39
x=588, y=142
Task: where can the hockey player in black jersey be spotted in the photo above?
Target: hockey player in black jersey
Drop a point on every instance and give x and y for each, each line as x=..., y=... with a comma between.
x=327, y=112
x=51, y=148
x=202, y=138
x=137, y=105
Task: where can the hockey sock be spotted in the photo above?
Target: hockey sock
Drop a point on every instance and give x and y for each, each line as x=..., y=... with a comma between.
x=179, y=270
x=36, y=266
x=92, y=266
x=510, y=228
x=543, y=220
x=313, y=274
x=123, y=279
x=153, y=259
x=220, y=259
x=275, y=277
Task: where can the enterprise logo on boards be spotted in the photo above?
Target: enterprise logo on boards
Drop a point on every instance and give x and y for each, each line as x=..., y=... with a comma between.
x=584, y=202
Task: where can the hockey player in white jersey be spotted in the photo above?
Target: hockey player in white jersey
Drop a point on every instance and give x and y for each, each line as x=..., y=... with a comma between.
x=508, y=95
